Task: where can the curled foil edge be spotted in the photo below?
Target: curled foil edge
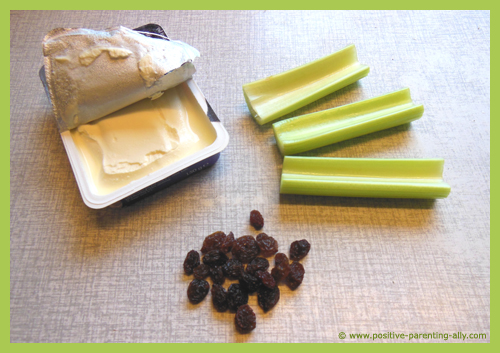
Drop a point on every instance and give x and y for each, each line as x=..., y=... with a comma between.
x=78, y=98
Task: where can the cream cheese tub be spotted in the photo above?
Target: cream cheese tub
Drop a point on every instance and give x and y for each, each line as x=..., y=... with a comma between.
x=145, y=146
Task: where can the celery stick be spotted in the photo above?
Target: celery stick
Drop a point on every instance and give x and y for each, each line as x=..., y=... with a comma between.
x=275, y=96
x=306, y=132
x=364, y=177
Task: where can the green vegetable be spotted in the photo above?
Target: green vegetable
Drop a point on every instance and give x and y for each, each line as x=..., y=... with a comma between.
x=364, y=177
x=306, y=132
x=278, y=95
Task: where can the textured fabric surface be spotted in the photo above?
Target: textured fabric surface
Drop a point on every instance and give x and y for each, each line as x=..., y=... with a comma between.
x=406, y=266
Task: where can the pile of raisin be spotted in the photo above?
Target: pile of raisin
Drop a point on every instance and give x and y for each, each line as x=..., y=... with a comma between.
x=225, y=257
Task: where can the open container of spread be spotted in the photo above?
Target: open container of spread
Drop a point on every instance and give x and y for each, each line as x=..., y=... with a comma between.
x=131, y=118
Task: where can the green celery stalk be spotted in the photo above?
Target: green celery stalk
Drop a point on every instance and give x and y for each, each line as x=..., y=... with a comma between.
x=278, y=95
x=310, y=131
x=364, y=177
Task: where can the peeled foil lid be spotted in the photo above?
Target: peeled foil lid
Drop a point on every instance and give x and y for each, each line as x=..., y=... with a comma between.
x=90, y=74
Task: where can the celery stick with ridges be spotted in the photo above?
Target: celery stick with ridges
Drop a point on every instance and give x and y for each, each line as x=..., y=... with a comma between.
x=278, y=95
x=310, y=131
x=364, y=177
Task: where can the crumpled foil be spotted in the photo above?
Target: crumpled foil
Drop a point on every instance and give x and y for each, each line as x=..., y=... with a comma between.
x=90, y=74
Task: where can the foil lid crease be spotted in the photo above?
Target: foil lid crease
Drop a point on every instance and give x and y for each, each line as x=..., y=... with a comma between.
x=90, y=74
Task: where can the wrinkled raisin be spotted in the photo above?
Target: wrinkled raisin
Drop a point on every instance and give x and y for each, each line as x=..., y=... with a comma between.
x=296, y=275
x=202, y=271
x=213, y=241
x=281, y=267
x=268, y=297
x=192, y=260
x=228, y=243
x=215, y=258
x=257, y=264
x=245, y=249
x=256, y=219
x=245, y=319
x=197, y=290
x=219, y=298
x=299, y=249
x=217, y=275
x=249, y=283
x=233, y=268
x=236, y=297
x=266, y=279
x=268, y=245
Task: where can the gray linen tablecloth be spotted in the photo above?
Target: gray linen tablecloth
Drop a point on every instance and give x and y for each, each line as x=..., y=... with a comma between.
x=376, y=266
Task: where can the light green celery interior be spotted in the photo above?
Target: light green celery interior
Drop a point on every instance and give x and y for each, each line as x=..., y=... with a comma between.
x=363, y=177
x=277, y=95
x=319, y=129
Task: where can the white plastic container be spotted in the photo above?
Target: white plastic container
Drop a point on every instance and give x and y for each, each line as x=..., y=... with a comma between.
x=155, y=181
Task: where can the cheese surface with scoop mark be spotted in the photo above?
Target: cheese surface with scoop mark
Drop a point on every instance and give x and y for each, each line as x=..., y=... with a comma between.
x=142, y=138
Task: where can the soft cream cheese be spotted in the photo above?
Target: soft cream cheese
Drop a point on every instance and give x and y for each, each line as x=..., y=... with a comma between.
x=142, y=138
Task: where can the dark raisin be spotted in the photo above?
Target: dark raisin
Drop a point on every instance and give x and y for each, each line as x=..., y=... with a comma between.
x=268, y=245
x=228, y=243
x=266, y=279
x=236, y=297
x=245, y=319
x=233, y=268
x=192, y=261
x=217, y=275
x=256, y=219
x=219, y=297
x=268, y=297
x=245, y=249
x=299, y=249
x=213, y=241
x=296, y=275
x=249, y=283
x=202, y=271
x=215, y=258
x=257, y=264
x=281, y=267
x=197, y=290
